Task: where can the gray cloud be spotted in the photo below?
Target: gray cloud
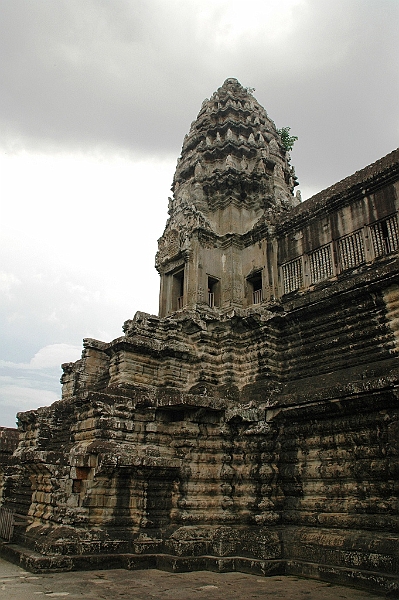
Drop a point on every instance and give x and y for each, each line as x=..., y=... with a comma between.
x=131, y=75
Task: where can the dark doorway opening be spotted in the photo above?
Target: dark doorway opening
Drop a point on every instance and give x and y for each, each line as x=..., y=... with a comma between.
x=178, y=290
x=255, y=288
x=213, y=292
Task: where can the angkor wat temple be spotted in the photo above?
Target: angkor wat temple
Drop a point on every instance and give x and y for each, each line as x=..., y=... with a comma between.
x=253, y=424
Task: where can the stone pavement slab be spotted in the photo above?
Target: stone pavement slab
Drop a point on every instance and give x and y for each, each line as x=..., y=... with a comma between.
x=17, y=584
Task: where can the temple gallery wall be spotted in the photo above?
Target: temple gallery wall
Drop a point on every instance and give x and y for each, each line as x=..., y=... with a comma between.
x=253, y=424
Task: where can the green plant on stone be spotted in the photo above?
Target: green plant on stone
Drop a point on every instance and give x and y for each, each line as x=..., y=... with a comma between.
x=287, y=140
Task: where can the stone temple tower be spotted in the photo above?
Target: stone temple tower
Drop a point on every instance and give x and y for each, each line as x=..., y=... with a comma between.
x=232, y=180
x=254, y=424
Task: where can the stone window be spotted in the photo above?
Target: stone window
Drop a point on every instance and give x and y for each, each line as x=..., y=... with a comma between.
x=292, y=275
x=351, y=250
x=255, y=287
x=178, y=290
x=385, y=236
x=213, y=292
x=320, y=264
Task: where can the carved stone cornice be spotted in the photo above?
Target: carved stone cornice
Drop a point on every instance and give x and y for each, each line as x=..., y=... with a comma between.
x=362, y=183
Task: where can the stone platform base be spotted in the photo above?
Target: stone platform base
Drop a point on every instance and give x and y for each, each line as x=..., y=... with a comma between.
x=387, y=586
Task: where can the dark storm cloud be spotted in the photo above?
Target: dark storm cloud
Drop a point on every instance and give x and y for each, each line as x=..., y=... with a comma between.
x=82, y=74
x=130, y=76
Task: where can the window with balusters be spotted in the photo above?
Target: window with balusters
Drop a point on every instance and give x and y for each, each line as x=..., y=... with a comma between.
x=350, y=250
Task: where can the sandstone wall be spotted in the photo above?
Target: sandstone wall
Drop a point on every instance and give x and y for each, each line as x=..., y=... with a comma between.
x=263, y=437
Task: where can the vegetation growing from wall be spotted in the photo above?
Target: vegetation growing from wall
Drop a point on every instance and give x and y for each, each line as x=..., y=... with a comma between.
x=288, y=140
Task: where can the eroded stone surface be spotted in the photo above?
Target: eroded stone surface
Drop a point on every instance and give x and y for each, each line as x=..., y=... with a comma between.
x=9, y=438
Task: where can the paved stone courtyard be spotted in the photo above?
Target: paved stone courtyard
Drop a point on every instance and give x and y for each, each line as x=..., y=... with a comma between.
x=18, y=584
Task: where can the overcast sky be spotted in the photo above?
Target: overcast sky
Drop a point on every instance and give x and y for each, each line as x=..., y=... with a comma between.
x=95, y=99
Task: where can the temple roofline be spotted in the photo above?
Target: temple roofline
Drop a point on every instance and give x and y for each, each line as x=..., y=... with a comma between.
x=369, y=179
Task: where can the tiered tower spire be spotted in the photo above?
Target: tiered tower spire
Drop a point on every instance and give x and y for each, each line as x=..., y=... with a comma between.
x=233, y=155
x=233, y=175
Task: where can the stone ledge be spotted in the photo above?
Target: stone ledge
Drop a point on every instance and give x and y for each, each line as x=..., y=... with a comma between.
x=38, y=563
x=366, y=580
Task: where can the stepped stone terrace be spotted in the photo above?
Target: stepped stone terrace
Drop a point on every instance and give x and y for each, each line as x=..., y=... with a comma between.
x=253, y=424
